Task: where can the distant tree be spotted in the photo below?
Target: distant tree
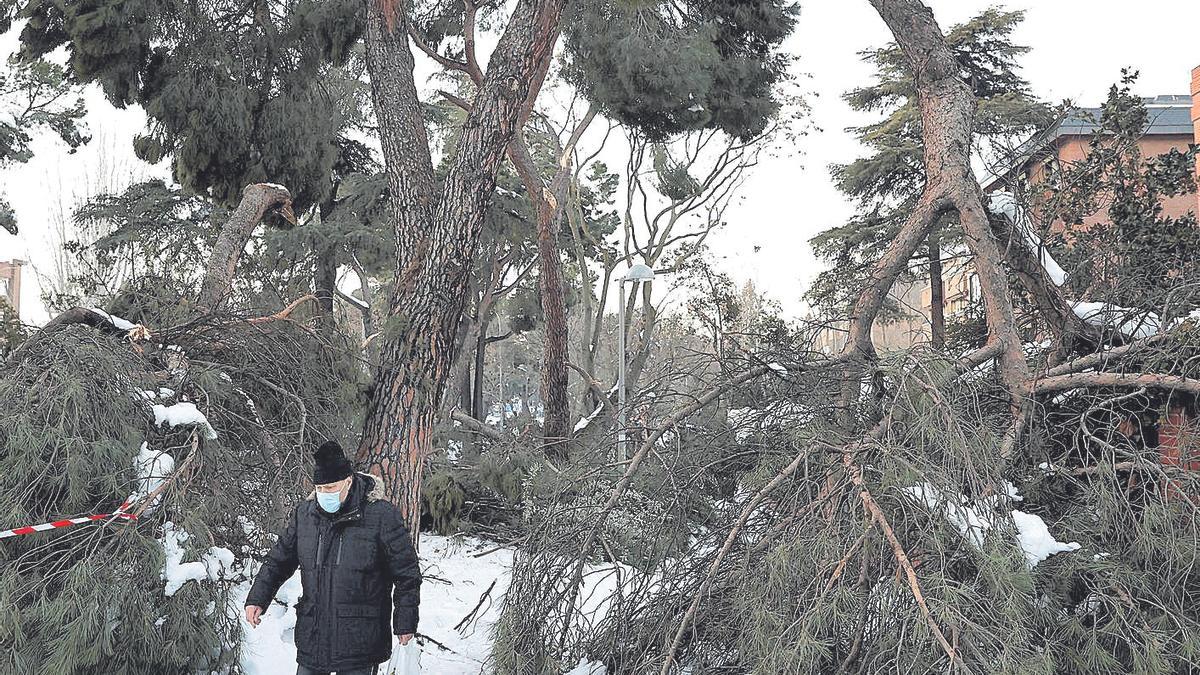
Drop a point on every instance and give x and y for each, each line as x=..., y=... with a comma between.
x=887, y=183
x=35, y=95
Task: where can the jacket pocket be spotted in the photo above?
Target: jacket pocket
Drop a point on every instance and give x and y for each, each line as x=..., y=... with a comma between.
x=361, y=631
x=358, y=550
x=304, y=635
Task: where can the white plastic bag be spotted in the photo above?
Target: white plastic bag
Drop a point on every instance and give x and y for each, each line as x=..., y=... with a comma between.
x=406, y=660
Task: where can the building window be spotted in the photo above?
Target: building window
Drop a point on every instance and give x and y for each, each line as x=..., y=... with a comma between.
x=974, y=290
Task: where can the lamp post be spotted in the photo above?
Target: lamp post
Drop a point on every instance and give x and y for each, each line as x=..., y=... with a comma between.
x=636, y=274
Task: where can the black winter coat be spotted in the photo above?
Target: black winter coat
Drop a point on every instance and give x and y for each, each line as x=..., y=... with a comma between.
x=349, y=562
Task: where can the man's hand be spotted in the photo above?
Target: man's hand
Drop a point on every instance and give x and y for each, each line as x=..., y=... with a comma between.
x=403, y=638
x=254, y=615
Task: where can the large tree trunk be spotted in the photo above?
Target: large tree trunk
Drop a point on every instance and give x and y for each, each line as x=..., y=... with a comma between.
x=257, y=199
x=436, y=236
x=555, y=381
x=947, y=107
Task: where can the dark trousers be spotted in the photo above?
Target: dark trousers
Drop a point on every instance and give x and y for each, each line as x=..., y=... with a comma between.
x=305, y=670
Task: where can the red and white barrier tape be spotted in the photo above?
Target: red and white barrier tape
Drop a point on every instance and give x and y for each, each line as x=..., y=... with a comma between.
x=29, y=529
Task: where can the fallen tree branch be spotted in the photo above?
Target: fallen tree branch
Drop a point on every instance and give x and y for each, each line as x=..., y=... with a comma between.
x=1100, y=359
x=1147, y=380
x=285, y=312
x=75, y=316
x=726, y=546
x=475, y=425
x=639, y=456
x=901, y=555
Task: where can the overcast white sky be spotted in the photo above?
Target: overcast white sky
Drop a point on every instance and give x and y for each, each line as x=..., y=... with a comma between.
x=1079, y=48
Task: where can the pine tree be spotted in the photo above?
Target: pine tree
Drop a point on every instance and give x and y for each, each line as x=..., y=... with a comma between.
x=665, y=68
x=236, y=93
x=886, y=183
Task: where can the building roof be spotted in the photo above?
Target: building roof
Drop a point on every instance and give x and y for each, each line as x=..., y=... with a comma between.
x=1170, y=115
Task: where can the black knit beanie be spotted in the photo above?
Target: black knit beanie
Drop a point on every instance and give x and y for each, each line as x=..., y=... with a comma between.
x=332, y=464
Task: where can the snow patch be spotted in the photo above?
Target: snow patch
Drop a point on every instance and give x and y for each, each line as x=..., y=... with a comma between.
x=214, y=565
x=1006, y=205
x=152, y=467
x=974, y=520
x=1036, y=540
x=183, y=413
x=114, y=320
x=585, y=421
x=1131, y=322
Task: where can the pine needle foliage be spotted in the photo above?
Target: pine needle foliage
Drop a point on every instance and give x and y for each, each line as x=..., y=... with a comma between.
x=668, y=67
x=812, y=584
x=91, y=599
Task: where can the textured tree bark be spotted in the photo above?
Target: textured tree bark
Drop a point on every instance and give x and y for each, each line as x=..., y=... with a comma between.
x=1072, y=332
x=436, y=235
x=555, y=380
x=257, y=199
x=947, y=107
x=549, y=202
x=1148, y=380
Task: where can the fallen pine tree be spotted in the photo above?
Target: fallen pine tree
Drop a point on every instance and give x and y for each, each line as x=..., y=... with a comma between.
x=911, y=512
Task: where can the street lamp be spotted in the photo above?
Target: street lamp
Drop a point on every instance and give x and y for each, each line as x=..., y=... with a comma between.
x=636, y=274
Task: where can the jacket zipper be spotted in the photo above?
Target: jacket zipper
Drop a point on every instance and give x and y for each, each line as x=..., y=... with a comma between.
x=338, y=561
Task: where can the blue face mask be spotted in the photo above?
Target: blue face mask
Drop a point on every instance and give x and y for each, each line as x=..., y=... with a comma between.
x=330, y=501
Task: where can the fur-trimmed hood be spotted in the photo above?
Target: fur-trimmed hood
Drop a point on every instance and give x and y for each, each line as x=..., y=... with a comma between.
x=376, y=493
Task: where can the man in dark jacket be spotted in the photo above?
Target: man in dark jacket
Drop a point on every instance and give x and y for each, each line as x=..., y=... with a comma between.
x=355, y=560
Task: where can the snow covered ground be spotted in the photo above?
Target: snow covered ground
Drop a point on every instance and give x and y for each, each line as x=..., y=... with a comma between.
x=457, y=571
x=456, y=575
